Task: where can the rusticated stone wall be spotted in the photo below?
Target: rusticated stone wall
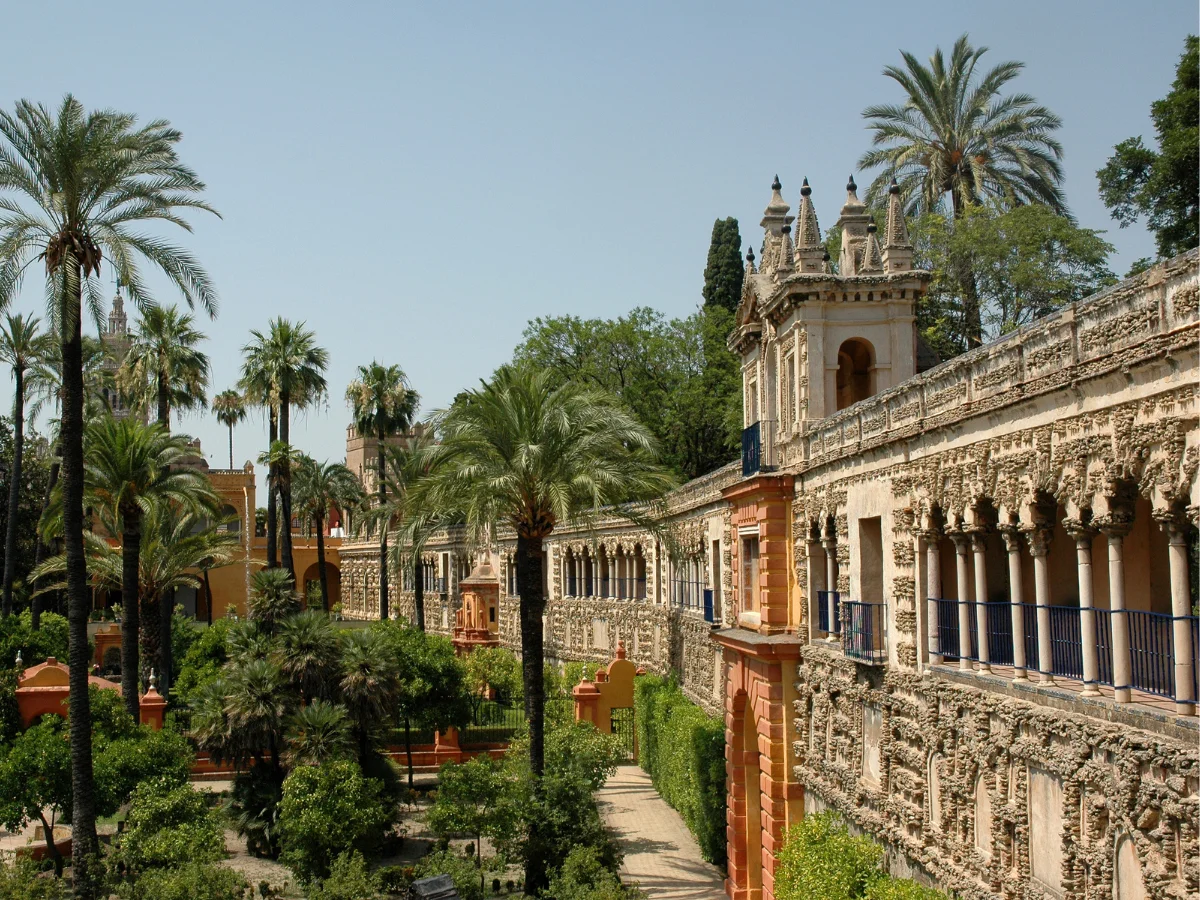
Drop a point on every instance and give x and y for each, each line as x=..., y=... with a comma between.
x=942, y=772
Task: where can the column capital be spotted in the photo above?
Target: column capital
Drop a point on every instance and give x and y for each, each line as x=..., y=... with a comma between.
x=978, y=536
x=962, y=540
x=1012, y=536
x=1114, y=525
x=1174, y=522
x=1038, y=537
x=1081, y=531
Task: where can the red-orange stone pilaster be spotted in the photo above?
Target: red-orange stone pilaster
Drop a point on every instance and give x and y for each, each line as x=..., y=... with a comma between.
x=762, y=506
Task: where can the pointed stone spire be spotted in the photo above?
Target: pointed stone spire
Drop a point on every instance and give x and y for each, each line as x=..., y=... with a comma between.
x=872, y=259
x=775, y=216
x=786, y=263
x=809, y=248
x=897, y=248
x=118, y=322
x=750, y=267
x=853, y=222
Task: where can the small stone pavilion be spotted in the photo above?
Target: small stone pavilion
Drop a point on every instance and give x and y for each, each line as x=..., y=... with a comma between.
x=477, y=624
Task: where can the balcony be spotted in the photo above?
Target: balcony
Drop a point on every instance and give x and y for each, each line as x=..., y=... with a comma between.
x=864, y=631
x=758, y=448
x=829, y=612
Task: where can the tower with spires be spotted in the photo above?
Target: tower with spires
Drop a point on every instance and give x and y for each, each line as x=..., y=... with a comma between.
x=116, y=341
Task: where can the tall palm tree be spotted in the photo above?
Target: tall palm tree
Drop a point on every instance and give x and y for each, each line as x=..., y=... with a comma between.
x=520, y=451
x=406, y=464
x=321, y=487
x=293, y=366
x=382, y=404
x=74, y=187
x=257, y=386
x=957, y=134
x=128, y=468
x=22, y=347
x=163, y=367
x=230, y=407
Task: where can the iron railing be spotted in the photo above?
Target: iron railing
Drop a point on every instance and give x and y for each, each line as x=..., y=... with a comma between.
x=492, y=722
x=1151, y=652
x=688, y=593
x=865, y=630
x=758, y=448
x=998, y=629
x=947, y=628
x=823, y=623
x=708, y=605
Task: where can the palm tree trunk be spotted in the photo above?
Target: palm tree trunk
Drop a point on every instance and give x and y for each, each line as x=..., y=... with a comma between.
x=35, y=602
x=285, y=484
x=166, y=603
x=85, y=847
x=419, y=593
x=321, y=573
x=208, y=594
x=972, y=314
x=383, y=529
x=533, y=602
x=231, y=446
x=14, y=489
x=131, y=548
x=272, y=513
x=151, y=637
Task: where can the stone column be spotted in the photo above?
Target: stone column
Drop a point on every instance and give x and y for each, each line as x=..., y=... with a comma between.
x=964, y=592
x=979, y=547
x=1122, y=667
x=1181, y=608
x=830, y=545
x=1087, y=610
x=933, y=556
x=1039, y=548
x=1012, y=543
x=815, y=572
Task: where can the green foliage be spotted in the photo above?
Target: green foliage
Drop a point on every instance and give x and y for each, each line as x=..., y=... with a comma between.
x=1163, y=185
x=185, y=633
x=658, y=368
x=328, y=810
x=460, y=868
x=35, y=477
x=723, y=272
x=584, y=876
x=821, y=858
x=683, y=750
x=22, y=879
x=349, y=879
x=18, y=636
x=191, y=881
x=169, y=824
x=474, y=798
x=497, y=668
x=121, y=764
x=201, y=663
x=272, y=598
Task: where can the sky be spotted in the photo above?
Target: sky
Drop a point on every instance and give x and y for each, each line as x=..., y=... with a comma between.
x=418, y=181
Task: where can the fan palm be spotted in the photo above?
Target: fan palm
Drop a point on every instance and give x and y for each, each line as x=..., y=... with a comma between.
x=317, y=733
x=163, y=367
x=321, y=487
x=256, y=705
x=230, y=408
x=956, y=134
x=406, y=464
x=522, y=452
x=129, y=467
x=369, y=686
x=258, y=388
x=74, y=185
x=382, y=404
x=22, y=346
x=272, y=599
x=308, y=653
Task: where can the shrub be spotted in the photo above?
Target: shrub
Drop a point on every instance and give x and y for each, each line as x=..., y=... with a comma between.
x=584, y=876
x=348, y=880
x=887, y=888
x=22, y=879
x=201, y=663
x=169, y=825
x=191, y=881
x=458, y=867
x=497, y=668
x=683, y=750
x=326, y=811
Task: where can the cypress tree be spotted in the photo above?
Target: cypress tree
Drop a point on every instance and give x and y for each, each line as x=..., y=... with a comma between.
x=723, y=272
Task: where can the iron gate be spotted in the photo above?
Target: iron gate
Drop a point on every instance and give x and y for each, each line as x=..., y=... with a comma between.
x=624, y=731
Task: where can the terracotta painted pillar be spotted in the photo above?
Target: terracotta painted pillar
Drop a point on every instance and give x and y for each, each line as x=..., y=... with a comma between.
x=964, y=593
x=1122, y=664
x=1181, y=608
x=1016, y=598
x=1039, y=547
x=979, y=547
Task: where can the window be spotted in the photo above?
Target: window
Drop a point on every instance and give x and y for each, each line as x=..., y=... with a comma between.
x=855, y=372
x=749, y=574
x=787, y=375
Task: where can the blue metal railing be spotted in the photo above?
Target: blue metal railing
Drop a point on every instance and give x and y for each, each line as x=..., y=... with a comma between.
x=1066, y=644
x=708, y=605
x=1151, y=652
x=688, y=594
x=947, y=627
x=865, y=630
x=998, y=626
x=823, y=612
x=751, y=449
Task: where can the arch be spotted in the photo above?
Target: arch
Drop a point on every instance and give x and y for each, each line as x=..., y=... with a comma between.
x=855, y=372
x=232, y=521
x=745, y=856
x=983, y=817
x=1128, y=883
x=311, y=585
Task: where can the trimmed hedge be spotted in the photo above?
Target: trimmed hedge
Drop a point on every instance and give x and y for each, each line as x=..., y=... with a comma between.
x=682, y=749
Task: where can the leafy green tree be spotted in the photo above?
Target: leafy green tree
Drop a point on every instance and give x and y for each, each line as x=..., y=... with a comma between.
x=957, y=134
x=1021, y=264
x=230, y=409
x=21, y=347
x=496, y=668
x=584, y=876
x=31, y=487
x=321, y=487
x=328, y=810
x=75, y=186
x=382, y=404
x=522, y=452
x=723, y=272
x=473, y=800
x=349, y=879
x=169, y=824
x=35, y=782
x=1163, y=185
x=21, y=879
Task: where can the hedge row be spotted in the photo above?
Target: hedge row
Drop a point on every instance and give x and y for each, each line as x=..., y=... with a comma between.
x=682, y=749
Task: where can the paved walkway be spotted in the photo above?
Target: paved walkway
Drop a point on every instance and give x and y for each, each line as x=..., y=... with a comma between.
x=661, y=856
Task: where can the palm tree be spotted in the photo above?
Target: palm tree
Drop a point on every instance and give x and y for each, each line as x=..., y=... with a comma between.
x=520, y=451
x=956, y=134
x=321, y=487
x=163, y=367
x=74, y=187
x=285, y=367
x=128, y=468
x=318, y=732
x=382, y=404
x=258, y=388
x=22, y=347
x=369, y=685
x=407, y=464
x=272, y=599
x=230, y=407
x=308, y=653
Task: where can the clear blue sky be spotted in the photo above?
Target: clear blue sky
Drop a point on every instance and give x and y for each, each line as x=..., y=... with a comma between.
x=418, y=181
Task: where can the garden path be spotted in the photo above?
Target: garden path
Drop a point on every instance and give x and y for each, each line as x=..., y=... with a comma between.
x=661, y=856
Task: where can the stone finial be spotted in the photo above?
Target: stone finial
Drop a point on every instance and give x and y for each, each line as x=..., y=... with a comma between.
x=809, y=247
x=153, y=681
x=853, y=223
x=786, y=262
x=620, y=649
x=897, y=249
x=750, y=268
x=20, y=662
x=775, y=216
x=872, y=258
